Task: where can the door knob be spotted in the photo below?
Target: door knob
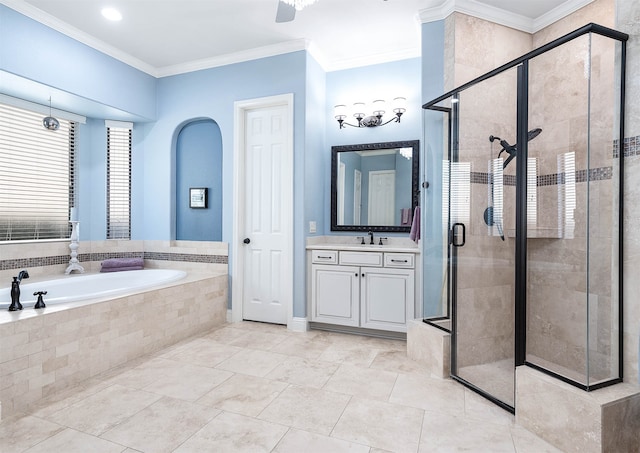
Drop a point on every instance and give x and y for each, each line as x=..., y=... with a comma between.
x=246, y=240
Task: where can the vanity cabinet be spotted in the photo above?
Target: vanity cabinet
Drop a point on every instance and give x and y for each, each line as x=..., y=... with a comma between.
x=374, y=290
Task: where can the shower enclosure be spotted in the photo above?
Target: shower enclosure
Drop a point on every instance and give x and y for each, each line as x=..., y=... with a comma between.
x=531, y=179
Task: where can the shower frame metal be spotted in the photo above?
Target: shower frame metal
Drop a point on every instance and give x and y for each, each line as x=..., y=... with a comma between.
x=522, y=65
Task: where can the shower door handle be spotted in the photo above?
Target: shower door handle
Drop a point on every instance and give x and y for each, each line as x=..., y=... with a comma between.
x=458, y=234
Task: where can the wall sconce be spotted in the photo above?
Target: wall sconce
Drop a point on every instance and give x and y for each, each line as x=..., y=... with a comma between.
x=375, y=119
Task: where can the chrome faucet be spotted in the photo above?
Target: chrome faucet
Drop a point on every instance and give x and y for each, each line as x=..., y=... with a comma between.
x=15, y=290
x=370, y=233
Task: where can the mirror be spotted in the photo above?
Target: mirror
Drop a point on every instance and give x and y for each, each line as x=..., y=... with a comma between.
x=374, y=186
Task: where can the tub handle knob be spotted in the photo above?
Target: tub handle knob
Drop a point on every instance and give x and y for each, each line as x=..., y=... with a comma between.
x=40, y=301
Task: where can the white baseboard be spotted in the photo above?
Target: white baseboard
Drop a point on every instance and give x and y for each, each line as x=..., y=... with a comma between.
x=298, y=325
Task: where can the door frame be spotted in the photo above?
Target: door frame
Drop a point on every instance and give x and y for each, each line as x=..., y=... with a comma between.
x=240, y=109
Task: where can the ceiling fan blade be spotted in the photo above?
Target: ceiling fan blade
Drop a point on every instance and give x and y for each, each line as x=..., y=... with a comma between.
x=285, y=13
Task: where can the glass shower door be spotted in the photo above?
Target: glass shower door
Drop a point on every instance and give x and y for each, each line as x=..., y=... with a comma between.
x=482, y=232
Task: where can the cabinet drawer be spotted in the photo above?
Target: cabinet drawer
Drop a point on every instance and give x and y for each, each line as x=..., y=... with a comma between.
x=403, y=260
x=324, y=256
x=373, y=259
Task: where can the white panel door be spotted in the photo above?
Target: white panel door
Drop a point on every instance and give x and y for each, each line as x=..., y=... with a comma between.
x=267, y=224
x=382, y=197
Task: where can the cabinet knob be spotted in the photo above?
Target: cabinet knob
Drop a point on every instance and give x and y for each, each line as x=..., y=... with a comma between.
x=246, y=240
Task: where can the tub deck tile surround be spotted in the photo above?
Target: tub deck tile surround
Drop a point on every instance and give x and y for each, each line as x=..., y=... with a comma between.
x=46, y=352
x=147, y=404
x=50, y=258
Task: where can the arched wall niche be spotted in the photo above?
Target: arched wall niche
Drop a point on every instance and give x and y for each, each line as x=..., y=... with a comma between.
x=198, y=165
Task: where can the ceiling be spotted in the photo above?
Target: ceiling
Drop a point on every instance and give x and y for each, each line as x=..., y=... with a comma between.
x=164, y=37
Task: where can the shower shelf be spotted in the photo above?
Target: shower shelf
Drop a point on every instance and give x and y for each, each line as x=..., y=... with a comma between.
x=540, y=233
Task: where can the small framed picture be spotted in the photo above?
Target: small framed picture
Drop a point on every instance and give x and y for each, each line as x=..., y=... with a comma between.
x=198, y=197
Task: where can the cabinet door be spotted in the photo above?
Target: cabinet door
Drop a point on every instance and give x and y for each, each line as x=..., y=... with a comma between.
x=387, y=298
x=335, y=294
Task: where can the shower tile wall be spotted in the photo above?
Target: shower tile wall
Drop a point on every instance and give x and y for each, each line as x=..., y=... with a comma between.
x=485, y=273
x=628, y=21
x=571, y=294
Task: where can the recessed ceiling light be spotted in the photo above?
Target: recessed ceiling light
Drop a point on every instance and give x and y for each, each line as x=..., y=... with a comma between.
x=111, y=14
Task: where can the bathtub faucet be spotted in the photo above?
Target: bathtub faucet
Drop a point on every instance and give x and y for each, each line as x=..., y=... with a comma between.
x=15, y=291
x=22, y=274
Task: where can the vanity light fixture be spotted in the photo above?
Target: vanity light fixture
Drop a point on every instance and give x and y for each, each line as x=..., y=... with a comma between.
x=375, y=119
x=111, y=14
x=299, y=4
x=50, y=122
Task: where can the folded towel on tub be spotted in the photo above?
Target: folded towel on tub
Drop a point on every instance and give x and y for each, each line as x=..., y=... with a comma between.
x=113, y=264
x=121, y=268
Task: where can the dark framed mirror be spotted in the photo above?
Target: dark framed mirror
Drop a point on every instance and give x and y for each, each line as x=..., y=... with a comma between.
x=374, y=186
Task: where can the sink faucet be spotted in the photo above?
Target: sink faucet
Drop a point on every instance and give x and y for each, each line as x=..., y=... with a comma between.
x=370, y=233
x=15, y=291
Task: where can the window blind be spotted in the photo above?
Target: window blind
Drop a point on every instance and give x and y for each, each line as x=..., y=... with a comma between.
x=37, y=176
x=118, y=183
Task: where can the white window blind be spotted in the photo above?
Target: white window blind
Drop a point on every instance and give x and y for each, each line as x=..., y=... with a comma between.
x=118, y=182
x=37, y=176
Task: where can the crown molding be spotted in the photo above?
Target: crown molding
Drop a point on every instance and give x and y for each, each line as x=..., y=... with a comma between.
x=236, y=57
x=46, y=19
x=369, y=60
x=500, y=16
x=558, y=13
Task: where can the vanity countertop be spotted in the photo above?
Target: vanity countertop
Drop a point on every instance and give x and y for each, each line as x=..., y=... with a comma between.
x=351, y=243
x=364, y=248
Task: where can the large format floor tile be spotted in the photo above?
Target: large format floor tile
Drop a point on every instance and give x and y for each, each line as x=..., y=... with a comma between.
x=246, y=395
x=381, y=425
x=253, y=387
x=306, y=408
x=234, y=433
x=162, y=426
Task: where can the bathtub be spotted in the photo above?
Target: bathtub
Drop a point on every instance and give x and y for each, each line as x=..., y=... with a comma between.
x=85, y=287
x=116, y=317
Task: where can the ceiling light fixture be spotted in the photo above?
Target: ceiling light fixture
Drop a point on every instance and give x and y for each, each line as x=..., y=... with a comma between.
x=49, y=122
x=299, y=4
x=111, y=14
x=378, y=111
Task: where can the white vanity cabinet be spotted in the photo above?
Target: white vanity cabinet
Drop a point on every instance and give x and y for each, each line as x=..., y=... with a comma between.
x=370, y=289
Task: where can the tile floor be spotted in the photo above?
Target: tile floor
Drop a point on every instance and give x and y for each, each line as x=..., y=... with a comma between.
x=252, y=387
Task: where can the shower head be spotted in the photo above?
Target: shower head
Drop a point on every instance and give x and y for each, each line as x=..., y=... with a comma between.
x=511, y=149
x=533, y=133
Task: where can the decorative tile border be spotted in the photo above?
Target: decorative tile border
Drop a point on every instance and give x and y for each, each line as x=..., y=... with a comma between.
x=630, y=147
x=41, y=261
x=188, y=257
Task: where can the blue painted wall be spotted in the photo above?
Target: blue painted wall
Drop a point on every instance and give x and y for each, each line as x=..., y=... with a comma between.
x=71, y=66
x=433, y=144
x=199, y=164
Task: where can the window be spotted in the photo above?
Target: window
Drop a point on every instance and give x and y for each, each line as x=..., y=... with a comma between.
x=37, y=176
x=118, y=180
